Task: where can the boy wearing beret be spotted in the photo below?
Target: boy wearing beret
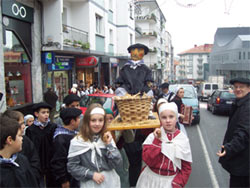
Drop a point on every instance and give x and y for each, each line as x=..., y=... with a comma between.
x=41, y=134
x=61, y=142
x=70, y=101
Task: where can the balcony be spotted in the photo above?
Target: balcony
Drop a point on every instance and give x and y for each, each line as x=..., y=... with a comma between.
x=151, y=17
x=75, y=37
x=154, y=50
x=199, y=72
x=199, y=65
x=147, y=33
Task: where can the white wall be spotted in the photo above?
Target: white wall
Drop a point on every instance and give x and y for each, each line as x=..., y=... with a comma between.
x=52, y=18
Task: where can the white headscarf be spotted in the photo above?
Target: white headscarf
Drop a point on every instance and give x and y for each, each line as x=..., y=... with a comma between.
x=169, y=106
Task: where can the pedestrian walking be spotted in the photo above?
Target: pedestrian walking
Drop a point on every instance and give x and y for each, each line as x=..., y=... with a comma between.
x=166, y=153
x=92, y=154
x=234, y=153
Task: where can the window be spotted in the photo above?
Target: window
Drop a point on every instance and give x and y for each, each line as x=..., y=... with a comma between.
x=110, y=36
x=239, y=55
x=110, y=4
x=98, y=24
x=131, y=10
x=248, y=54
x=131, y=38
x=215, y=86
x=17, y=71
x=244, y=55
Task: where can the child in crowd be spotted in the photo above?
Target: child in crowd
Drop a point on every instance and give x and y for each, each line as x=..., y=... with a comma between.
x=92, y=153
x=62, y=137
x=28, y=148
x=28, y=121
x=70, y=101
x=41, y=134
x=121, y=137
x=15, y=169
x=166, y=153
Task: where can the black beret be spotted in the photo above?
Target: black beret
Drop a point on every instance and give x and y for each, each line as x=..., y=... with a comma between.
x=71, y=98
x=39, y=105
x=68, y=113
x=164, y=85
x=138, y=45
x=240, y=80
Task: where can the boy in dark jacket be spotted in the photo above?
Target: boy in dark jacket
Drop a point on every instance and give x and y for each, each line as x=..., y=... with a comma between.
x=15, y=169
x=41, y=134
x=61, y=142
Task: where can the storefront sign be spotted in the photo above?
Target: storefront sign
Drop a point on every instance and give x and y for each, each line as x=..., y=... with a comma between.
x=48, y=57
x=61, y=63
x=17, y=10
x=86, y=62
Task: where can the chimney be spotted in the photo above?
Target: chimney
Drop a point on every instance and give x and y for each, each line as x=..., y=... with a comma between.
x=195, y=45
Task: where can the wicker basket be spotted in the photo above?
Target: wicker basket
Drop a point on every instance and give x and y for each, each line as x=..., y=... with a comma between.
x=133, y=109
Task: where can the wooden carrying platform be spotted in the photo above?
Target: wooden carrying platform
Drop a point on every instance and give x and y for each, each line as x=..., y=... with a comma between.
x=117, y=125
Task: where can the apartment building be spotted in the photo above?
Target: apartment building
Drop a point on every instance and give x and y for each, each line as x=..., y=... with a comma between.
x=150, y=27
x=194, y=62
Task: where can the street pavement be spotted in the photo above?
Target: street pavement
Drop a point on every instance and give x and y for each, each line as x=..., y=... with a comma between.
x=205, y=140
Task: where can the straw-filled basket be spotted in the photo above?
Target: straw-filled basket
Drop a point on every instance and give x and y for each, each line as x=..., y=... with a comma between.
x=133, y=108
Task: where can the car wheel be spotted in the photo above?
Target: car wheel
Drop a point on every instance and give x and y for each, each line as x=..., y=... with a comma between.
x=208, y=108
x=213, y=110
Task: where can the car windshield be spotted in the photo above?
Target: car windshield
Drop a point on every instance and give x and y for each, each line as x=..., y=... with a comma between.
x=189, y=91
x=104, y=101
x=227, y=95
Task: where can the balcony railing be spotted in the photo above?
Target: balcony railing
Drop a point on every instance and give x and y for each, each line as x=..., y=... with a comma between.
x=148, y=32
x=199, y=71
x=75, y=37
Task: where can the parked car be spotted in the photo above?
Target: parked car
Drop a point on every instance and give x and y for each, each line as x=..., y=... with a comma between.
x=206, y=89
x=220, y=101
x=106, y=100
x=190, y=99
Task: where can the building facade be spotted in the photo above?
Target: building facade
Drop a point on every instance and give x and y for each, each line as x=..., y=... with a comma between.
x=59, y=42
x=193, y=62
x=150, y=27
x=230, y=55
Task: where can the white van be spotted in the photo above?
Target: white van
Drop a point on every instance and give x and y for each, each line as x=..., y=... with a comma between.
x=206, y=89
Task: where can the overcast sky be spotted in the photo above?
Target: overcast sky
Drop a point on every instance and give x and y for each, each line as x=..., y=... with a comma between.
x=197, y=25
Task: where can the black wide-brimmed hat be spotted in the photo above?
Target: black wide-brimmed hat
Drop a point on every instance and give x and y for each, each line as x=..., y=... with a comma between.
x=240, y=80
x=39, y=105
x=138, y=45
x=68, y=113
x=71, y=98
x=164, y=85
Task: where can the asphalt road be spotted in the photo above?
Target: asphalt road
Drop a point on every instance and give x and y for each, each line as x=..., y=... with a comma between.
x=205, y=140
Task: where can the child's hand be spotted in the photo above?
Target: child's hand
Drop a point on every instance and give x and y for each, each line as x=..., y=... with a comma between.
x=157, y=133
x=98, y=177
x=107, y=137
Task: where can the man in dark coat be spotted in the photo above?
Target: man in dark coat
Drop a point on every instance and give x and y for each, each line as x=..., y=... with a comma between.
x=50, y=98
x=234, y=156
x=135, y=76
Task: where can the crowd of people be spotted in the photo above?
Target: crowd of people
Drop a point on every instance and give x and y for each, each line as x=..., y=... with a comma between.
x=78, y=152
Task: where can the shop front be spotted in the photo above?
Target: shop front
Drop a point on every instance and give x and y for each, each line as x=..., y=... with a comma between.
x=59, y=73
x=17, y=50
x=87, y=70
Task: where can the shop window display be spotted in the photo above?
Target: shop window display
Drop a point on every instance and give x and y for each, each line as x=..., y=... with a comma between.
x=17, y=72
